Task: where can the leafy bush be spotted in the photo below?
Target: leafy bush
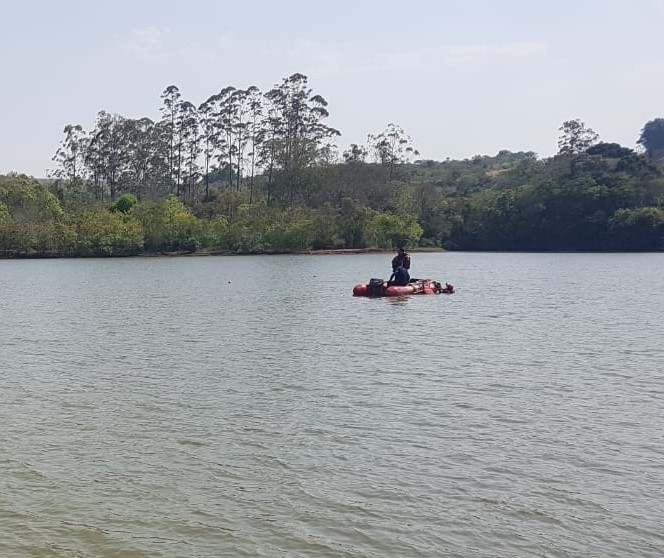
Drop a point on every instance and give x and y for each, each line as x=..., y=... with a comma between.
x=387, y=231
x=124, y=203
x=103, y=233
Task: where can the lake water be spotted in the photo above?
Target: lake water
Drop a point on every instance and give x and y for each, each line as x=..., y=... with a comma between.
x=250, y=406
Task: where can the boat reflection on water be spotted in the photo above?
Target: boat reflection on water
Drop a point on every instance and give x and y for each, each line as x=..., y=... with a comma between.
x=398, y=300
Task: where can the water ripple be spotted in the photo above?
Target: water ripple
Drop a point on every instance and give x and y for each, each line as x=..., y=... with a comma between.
x=150, y=408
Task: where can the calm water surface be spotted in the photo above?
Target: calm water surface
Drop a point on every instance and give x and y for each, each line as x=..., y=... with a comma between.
x=251, y=406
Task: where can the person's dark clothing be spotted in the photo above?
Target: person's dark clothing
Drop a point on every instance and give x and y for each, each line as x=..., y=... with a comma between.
x=401, y=260
x=400, y=277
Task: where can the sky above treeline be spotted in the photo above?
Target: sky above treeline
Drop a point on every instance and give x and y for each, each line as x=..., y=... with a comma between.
x=461, y=78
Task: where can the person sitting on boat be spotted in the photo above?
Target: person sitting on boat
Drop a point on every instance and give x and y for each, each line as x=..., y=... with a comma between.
x=400, y=277
x=402, y=259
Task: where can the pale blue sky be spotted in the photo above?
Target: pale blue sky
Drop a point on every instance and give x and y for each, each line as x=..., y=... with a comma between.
x=461, y=77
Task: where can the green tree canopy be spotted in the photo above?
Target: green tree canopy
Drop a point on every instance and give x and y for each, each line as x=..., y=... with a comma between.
x=575, y=137
x=652, y=138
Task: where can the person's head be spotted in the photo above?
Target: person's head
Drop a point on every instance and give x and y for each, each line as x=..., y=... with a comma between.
x=402, y=250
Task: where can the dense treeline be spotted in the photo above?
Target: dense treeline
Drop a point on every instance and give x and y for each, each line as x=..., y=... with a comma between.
x=33, y=221
x=253, y=172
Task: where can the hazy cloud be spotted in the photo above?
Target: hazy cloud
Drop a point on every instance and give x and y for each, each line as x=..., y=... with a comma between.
x=344, y=59
x=461, y=55
x=144, y=40
x=659, y=6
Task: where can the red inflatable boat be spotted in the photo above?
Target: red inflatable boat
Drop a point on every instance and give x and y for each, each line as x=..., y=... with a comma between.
x=378, y=287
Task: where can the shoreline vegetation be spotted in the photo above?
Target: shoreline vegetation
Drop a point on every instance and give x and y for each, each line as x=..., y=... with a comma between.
x=216, y=253
x=251, y=172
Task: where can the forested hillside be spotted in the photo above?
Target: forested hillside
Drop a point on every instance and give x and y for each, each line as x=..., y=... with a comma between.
x=251, y=172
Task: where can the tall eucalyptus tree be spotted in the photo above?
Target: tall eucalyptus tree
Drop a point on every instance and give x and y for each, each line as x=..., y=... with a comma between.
x=171, y=102
x=109, y=150
x=190, y=142
x=240, y=130
x=392, y=147
x=255, y=135
x=148, y=166
x=138, y=151
x=208, y=139
x=268, y=144
x=70, y=156
x=225, y=104
x=302, y=132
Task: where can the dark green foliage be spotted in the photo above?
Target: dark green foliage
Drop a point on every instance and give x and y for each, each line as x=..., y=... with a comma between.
x=652, y=138
x=253, y=172
x=125, y=203
x=639, y=229
x=575, y=137
x=576, y=207
x=103, y=233
x=610, y=150
x=606, y=198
